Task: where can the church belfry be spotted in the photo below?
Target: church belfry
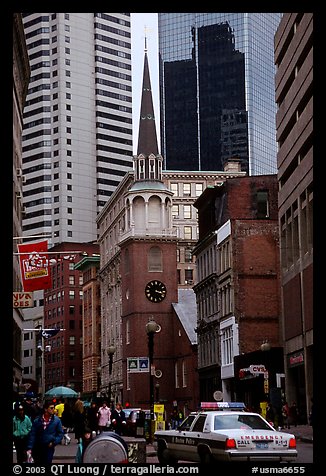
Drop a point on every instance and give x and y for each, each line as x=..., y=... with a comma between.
x=148, y=201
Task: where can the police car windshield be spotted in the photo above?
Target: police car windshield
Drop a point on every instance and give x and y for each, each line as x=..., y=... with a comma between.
x=240, y=422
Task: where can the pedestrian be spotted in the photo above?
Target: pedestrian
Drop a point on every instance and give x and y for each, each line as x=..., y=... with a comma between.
x=180, y=417
x=286, y=415
x=174, y=419
x=311, y=414
x=270, y=414
x=30, y=408
x=45, y=435
x=22, y=425
x=79, y=419
x=84, y=441
x=67, y=417
x=58, y=410
x=92, y=417
x=293, y=412
x=67, y=422
x=118, y=419
x=104, y=417
x=60, y=406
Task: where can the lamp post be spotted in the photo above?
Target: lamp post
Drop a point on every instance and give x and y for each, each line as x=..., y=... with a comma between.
x=40, y=360
x=111, y=351
x=151, y=328
x=98, y=371
x=157, y=389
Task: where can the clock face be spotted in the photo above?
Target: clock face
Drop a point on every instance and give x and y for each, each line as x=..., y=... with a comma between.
x=155, y=291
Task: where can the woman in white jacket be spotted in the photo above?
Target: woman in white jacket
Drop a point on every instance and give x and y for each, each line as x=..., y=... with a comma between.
x=104, y=416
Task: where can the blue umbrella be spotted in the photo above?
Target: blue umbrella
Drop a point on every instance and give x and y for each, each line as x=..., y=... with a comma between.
x=65, y=392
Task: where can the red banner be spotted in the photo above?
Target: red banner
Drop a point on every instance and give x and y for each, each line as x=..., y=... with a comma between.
x=34, y=266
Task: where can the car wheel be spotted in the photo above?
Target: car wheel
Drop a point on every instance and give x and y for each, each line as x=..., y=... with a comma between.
x=163, y=455
x=205, y=456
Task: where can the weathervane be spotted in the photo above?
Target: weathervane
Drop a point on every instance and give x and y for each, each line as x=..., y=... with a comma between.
x=146, y=30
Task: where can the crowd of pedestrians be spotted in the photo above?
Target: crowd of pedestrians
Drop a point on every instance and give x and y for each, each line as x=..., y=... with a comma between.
x=39, y=427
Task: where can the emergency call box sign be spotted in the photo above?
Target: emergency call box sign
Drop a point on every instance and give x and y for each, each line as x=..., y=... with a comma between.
x=21, y=299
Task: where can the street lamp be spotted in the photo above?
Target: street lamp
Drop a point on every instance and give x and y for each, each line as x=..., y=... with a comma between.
x=98, y=371
x=111, y=351
x=265, y=346
x=151, y=328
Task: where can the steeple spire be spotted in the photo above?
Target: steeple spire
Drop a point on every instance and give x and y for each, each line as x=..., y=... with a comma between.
x=147, y=138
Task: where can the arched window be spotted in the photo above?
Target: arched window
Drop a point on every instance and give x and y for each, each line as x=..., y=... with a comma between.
x=155, y=259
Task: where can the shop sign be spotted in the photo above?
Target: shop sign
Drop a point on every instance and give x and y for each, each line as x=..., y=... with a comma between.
x=296, y=359
x=22, y=299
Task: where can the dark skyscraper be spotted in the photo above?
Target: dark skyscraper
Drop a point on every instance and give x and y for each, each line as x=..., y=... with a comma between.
x=217, y=90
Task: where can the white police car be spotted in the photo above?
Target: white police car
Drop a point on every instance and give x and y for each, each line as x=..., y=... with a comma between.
x=224, y=431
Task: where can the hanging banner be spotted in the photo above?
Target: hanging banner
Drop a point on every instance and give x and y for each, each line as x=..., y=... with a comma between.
x=34, y=266
x=47, y=333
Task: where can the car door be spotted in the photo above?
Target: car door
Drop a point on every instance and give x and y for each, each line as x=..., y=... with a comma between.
x=178, y=447
x=192, y=438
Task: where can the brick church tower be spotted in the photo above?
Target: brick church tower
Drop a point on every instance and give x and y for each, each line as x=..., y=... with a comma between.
x=148, y=266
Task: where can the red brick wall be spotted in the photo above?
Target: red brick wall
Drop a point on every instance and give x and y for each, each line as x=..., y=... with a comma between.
x=292, y=308
x=136, y=279
x=138, y=309
x=255, y=255
x=241, y=199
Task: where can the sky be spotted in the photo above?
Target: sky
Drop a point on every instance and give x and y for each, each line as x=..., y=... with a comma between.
x=140, y=21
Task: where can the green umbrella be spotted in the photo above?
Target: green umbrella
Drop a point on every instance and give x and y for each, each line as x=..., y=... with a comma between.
x=65, y=392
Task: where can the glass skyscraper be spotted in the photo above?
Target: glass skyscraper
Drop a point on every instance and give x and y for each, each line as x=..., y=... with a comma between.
x=217, y=92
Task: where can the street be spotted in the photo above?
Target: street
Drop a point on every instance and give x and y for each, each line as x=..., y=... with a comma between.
x=66, y=454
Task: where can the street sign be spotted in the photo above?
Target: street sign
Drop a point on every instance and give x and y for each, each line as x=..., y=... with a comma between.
x=137, y=364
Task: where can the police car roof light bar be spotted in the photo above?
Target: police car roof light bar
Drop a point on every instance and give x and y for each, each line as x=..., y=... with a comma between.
x=222, y=405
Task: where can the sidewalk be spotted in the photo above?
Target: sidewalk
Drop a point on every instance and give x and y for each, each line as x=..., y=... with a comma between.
x=301, y=432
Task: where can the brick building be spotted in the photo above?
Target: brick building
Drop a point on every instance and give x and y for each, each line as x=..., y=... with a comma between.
x=295, y=137
x=63, y=355
x=91, y=322
x=238, y=287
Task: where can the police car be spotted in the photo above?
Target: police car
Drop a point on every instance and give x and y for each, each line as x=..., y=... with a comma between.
x=224, y=431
